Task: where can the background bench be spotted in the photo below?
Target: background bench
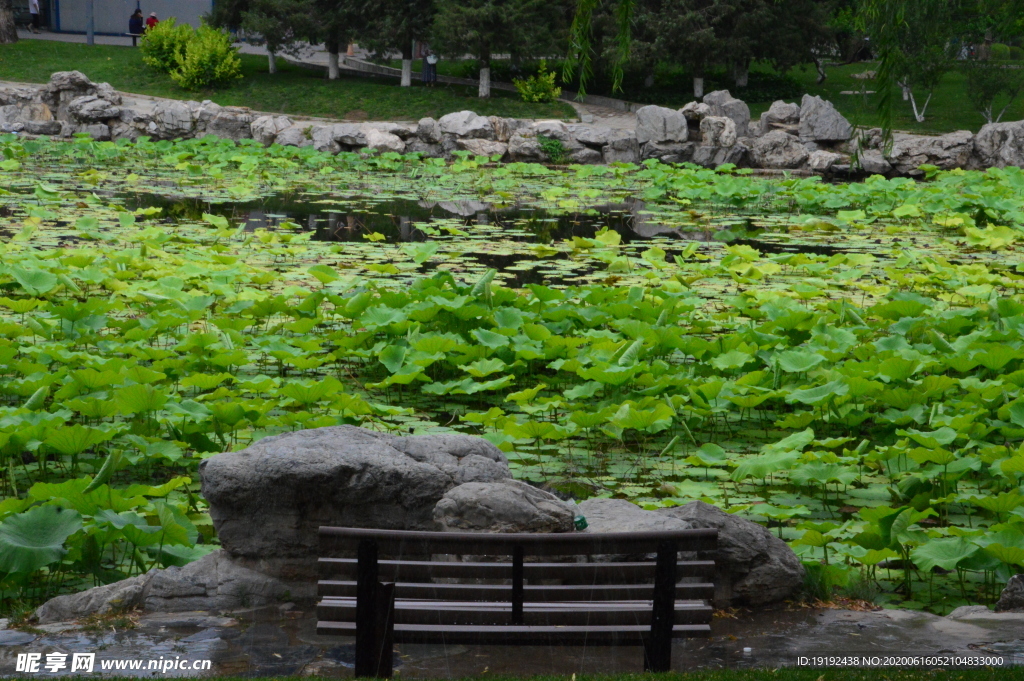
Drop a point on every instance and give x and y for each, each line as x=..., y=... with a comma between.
x=515, y=601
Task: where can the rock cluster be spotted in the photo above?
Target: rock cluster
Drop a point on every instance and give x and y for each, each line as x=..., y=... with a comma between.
x=268, y=501
x=811, y=136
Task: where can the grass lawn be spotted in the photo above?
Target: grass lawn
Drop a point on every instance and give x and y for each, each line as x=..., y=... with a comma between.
x=295, y=91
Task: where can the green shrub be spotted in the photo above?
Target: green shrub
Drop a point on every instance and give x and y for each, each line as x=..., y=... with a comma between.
x=164, y=43
x=1000, y=52
x=1016, y=53
x=208, y=59
x=538, y=88
x=553, y=147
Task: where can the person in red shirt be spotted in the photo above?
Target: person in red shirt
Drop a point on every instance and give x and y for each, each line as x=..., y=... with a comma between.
x=152, y=21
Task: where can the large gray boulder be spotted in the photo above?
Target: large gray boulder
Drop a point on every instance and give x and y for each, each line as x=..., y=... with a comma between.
x=821, y=161
x=171, y=119
x=66, y=86
x=1012, y=597
x=428, y=131
x=952, y=150
x=658, y=124
x=215, y=582
x=724, y=104
x=778, y=149
x=525, y=149
x=296, y=135
x=323, y=139
x=480, y=147
x=621, y=148
x=350, y=134
x=466, y=124
x=503, y=506
x=779, y=115
x=92, y=109
x=717, y=131
x=998, y=145
x=873, y=162
x=231, y=122
x=669, y=152
x=821, y=122
x=270, y=499
x=384, y=141
x=264, y=129
x=754, y=567
x=695, y=112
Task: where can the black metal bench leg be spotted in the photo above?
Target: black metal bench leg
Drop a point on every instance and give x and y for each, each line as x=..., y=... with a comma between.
x=367, y=645
x=385, y=634
x=658, y=645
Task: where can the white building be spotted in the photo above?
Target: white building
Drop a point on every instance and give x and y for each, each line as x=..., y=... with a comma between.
x=111, y=16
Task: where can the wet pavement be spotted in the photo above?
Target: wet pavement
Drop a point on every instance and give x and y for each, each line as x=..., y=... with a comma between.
x=283, y=641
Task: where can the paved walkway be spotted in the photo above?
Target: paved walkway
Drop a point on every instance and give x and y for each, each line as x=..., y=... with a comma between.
x=316, y=56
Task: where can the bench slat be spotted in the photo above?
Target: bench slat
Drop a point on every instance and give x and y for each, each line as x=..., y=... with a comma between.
x=532, y=592
x=568, y=573
x=407, y=543
x=519, y=634
x=554, y=614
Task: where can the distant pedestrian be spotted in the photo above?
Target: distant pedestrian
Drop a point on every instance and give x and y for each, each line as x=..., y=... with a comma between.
x=430, y=69
x=151, y=21
x=33, y=9
x=135, y=23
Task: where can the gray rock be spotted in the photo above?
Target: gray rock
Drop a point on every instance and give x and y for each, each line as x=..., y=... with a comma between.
x=778, y=115
x=872, y=162
x=42, y=127
x=425, y=148
x=968, y=611
x=121, y=130
x=13, y=637
x=623, y=148
x=590, y=135
x=718, y=131
x=821, y=161
x=428, y=131
x=270, y=499
x=466, y=124
x=552, y=129
x=778, y=149
x=952, y=150
x=230, y=122
x=998, y=145
x=724, y=104
x=695, y=112
x=92, y=109
x=1012, y=597
x=214, y=582
x=297, y=135
x=504, y=506
x=323, y=139
x=525, y=149
x=384, y=141
x=402, y=131
x=754, y=566
x=658, y=124
x=585, y=156
x=172, y=119
x=619, y=515
x=672, y=152
x=351, y=134
x=264, y=129
x=821, y=122
x=98, y=131
x=66, y=86
x=479, y=147
x=117, y=597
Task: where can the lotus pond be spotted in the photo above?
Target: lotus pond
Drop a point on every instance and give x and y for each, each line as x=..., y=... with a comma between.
x=842, y=363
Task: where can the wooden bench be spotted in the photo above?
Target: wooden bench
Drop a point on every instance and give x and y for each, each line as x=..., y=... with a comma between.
x=421, y=595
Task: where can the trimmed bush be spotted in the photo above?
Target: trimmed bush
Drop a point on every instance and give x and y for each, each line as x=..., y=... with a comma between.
x=164, y=43
x=208, y=58
x=538, y=88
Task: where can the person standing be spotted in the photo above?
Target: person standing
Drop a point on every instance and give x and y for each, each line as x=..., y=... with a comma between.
x=33, y=9
x=135, y=25
x=430, y=69
x=151, y=21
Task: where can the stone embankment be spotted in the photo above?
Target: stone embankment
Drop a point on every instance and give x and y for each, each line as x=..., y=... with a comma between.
x=810, y=137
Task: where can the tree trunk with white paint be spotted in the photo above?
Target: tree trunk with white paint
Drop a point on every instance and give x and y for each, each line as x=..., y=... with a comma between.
x=485, y=82
x=8, y=29
x=332, y=59
x=698, y=87
x=741, y=74
x=271, y=62
x=406, y=72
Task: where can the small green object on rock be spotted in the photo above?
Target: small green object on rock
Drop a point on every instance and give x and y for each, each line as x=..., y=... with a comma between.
x=580, y=522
